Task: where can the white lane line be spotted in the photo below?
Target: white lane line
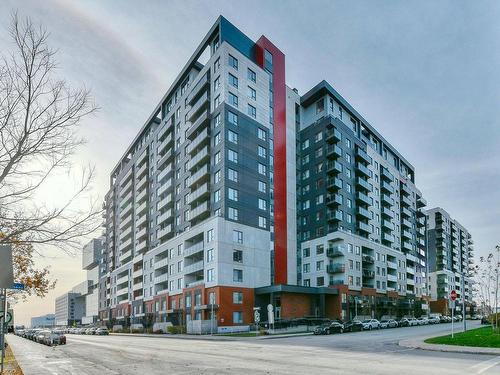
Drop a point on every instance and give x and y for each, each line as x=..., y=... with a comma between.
x=486, y=365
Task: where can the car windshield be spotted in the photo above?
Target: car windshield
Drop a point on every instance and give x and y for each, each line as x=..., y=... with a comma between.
x=384, y=321
x=367, y=321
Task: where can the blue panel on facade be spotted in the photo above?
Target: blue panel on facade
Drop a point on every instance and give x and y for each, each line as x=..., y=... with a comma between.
x=230, y=34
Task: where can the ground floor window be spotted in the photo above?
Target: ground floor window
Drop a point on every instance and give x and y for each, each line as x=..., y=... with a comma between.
x=237, y=317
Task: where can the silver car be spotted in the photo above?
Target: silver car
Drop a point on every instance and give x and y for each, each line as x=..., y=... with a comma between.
x=370, y=324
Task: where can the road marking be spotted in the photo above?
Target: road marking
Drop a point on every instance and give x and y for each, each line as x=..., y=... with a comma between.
x=486, y=365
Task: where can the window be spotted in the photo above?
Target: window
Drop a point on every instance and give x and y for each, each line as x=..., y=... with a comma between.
x=233, y=62
x=233, y=213
x=210, y=275
x=306, y=252
x=318, y=137
x=232, y=137
x=261, y=151
x=237, y=298
x=237, y=276
x=237, y=317
x=251, y=111
x=262, y=169
x=305, y=144
x=320, y=249
x=237, y=236
x=320, y=106
x=319, y=265
x=251, y=75
x=307, y=268
x=262, y=187
x=238, y=256
x=210, y=255
x=217, y=101
x=232, y=118
x=217, y=177
x=217, y=120
x=233, y=99
x=261, y=134
x=217, y=139
x=320, y=281
x=233, y=156
x=262, y=204
x=233, y=81
x=217, y=83
x=252, y=93
x=217, y=64
x=351, y=264
x=262, y=222
x=233, y=194
x=307, y=282
x=232, y=175
x=217, y=157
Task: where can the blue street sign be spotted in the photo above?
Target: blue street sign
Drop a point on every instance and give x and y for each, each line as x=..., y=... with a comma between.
x=18, y=286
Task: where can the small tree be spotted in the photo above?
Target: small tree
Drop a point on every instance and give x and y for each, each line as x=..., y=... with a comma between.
x=39, y=119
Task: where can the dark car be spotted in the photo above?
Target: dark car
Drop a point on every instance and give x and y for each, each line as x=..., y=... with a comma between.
x=353, y=326
x=328, y=328
x=484, y=320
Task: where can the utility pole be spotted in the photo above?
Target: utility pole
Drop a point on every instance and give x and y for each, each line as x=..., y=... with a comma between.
x=463, y=301
x=496, y=287
x=2, y=327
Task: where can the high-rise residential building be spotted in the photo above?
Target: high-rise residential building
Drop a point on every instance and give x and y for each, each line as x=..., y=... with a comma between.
x=450, y=257
x=239, y=192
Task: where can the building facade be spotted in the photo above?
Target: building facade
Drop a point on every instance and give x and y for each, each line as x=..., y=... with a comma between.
x=44, y=321
x=450, y=257
x=238, y=192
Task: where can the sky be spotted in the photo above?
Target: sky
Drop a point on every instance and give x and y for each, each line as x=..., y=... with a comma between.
x=423, y=73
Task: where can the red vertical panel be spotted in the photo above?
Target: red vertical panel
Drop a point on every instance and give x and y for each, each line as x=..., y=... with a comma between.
x=280, y=195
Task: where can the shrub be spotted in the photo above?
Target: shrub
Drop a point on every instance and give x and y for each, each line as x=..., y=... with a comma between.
x=176, y=329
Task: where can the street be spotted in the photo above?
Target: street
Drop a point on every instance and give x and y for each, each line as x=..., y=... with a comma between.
x=375, y=352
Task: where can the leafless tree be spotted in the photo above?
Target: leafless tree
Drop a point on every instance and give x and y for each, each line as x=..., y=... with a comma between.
x=485, y=281
x=39, y=120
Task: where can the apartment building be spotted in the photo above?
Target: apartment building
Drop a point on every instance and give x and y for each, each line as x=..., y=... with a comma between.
x=238, y=192
x=191, y=218
x=450, y=257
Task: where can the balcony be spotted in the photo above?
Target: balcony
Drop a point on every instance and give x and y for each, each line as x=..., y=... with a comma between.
x=363, y=213
x=406, y=234
x=164, y=202
x=363, y=184
x=363, y=170
x=363, y=198
x=368, y=274
x=201, y=139
x=161, y=278
x=200, y=193
x=202, y=209
x=406, y=201
x=421, y=202
x=200, y=122
x=200, y=157
x=197, y=89
x=165, y=158
x=336, y=251
x=388, y=237
x=333, y=200
x=334, y=215
x=164, y=232
x=407, y=245
x=141, y=196
x=141, y=246
x=160, y=263
x=410, y=270
x=137, y=286
x=142, y=208
x=333, y=136
x=387, y=224
x=335, y=268
x=200, y=104
x=386, y=174
x=392, y=265
x=164, y=187
x=126, y=177
x=387, y=212
x=333, y=151
x=364, y=228
x=142, y=182
x=406, y=212
x=125, y=256
x=405, y=189
x=386, y=200
x=164, y=172
x=122, y=291
x=193, y=249
x=167, y=215
x=406, y=223
x=333, y=183
x=333, y=167
x=192, y=268
x=369, y=259
x=199, y=175
x=392, y=278
x=387, y=187
x=363, y=156
x=142, y=171
x=125, y=244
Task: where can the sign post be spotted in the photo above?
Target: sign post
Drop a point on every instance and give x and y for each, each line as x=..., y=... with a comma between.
x=270, y=316
x=453, y=296
x=6, y=281
x=256, y=319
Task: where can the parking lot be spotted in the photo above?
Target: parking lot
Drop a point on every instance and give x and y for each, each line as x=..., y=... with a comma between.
x=374, y=352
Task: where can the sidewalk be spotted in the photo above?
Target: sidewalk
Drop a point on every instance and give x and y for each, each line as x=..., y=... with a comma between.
x=418, y=343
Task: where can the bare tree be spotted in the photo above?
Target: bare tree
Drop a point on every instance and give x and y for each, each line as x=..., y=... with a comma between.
x=39, y=119
x=485, y=282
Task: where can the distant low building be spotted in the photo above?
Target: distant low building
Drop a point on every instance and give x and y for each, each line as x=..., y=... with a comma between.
x=44, y=321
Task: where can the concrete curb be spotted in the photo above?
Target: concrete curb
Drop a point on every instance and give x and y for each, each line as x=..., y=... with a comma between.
x=212, y=338
x=418, y=343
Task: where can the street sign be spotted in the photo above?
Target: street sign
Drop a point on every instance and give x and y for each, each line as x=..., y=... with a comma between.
x=453, y=295
x=256, y=316
x=6, y=271
x=17, y=286
x=8, y=317
x=270, y=314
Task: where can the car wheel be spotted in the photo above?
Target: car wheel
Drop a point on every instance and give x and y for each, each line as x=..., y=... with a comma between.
x=370, y=328
x=341, y=330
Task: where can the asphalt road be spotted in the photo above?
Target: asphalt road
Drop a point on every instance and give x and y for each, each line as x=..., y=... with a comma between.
x=375, y=352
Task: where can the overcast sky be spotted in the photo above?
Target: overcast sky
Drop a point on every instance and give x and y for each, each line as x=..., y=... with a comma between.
x=424, y=73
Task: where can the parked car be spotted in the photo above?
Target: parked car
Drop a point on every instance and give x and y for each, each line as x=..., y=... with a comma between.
x=370, y=324
x=57, y=338
x=90, y=331
x=434, y=320
x=353, y=326
x=388, y=323
x=328, y=328
x=485, y=320
x=423, y=321
x=102, y=331
x=459, y=317
x=42, y=336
